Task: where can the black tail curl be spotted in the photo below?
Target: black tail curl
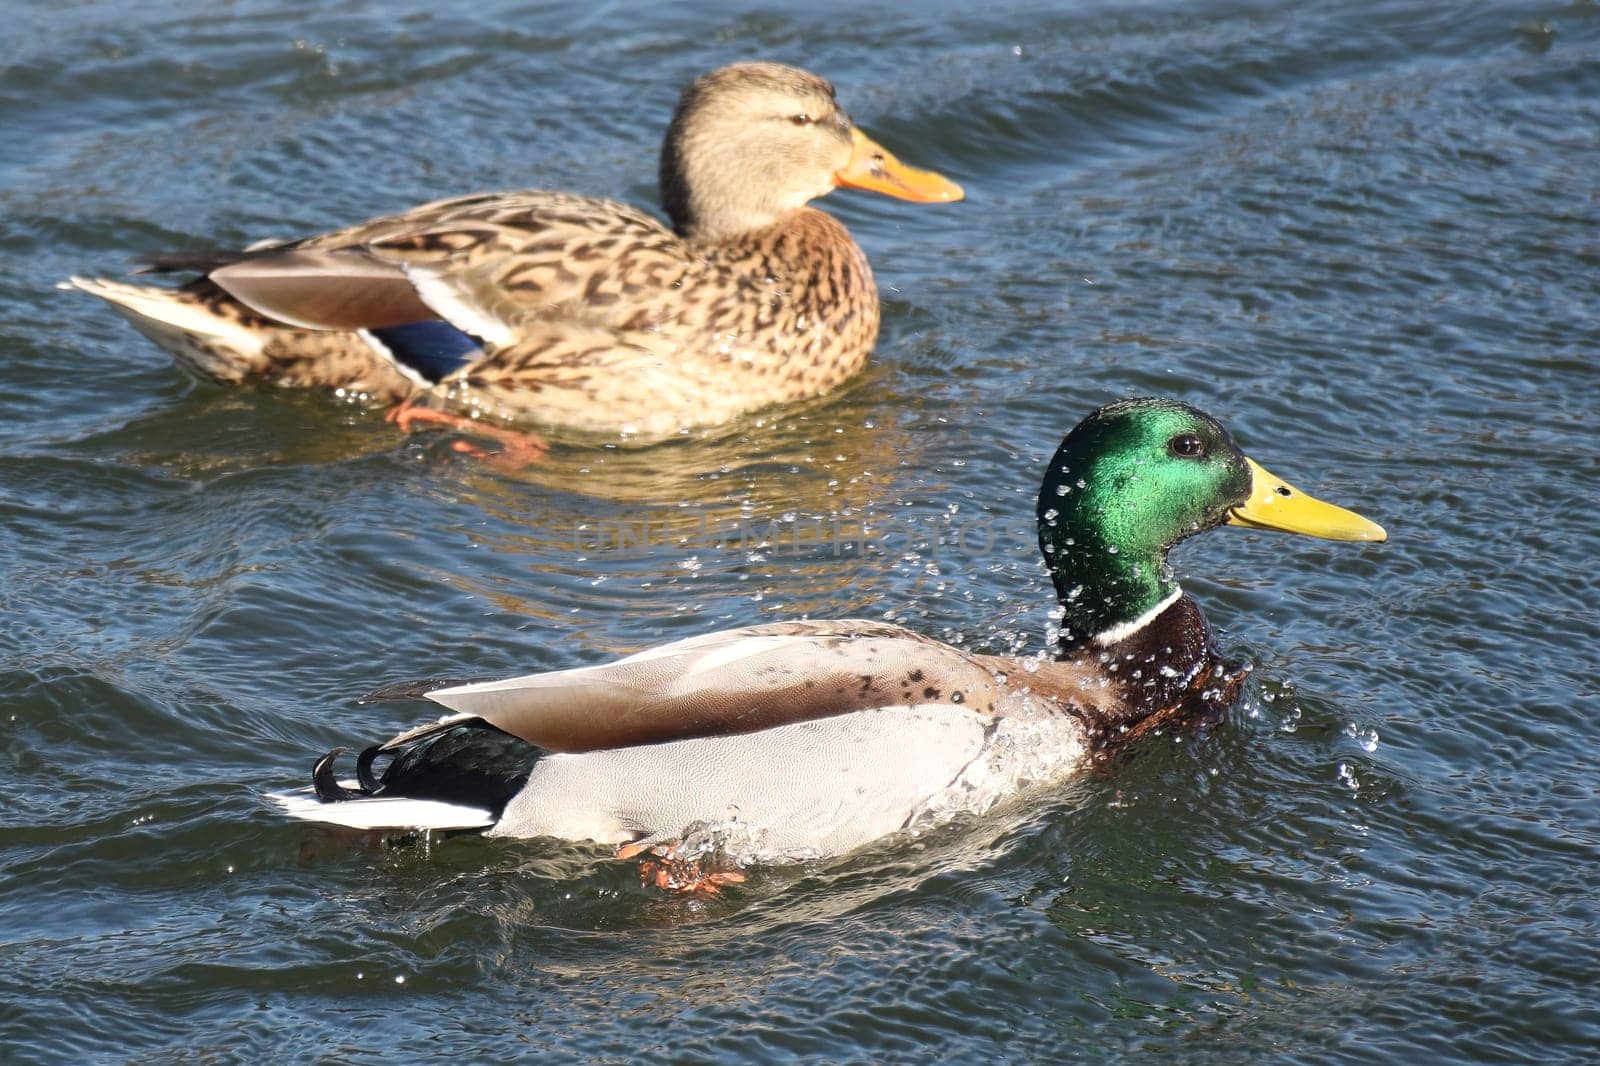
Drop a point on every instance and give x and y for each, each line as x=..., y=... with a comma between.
x=468, y=762
x=327, y=786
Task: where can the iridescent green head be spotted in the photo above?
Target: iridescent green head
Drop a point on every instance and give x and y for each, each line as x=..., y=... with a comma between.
x=1136, y=477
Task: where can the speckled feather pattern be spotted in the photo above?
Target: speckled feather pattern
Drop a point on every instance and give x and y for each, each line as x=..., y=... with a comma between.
x=618, y=323
x=802, y=738
x=589, y=316
x=767, y=676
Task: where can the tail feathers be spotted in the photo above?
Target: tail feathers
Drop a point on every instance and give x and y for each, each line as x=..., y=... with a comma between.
x=170, y=309
x=199, y=333
x=457, y=774
x=378, y=812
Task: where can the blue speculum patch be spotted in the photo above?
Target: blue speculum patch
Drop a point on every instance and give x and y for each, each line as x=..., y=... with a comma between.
x=432, y=348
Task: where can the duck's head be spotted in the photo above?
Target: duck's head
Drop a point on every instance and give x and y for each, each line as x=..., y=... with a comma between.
x=752, y=142
x=1136, y=477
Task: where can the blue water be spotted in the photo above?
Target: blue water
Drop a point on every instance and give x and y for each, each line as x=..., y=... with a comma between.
x=1364, y=235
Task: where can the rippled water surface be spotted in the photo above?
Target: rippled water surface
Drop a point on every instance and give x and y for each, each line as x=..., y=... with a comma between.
x=1364, y=234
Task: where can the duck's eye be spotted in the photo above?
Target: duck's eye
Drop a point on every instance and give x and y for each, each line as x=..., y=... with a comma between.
x=1187, y=446
x=801, y=119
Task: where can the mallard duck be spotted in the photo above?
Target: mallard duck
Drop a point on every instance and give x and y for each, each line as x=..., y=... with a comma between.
x=811, y=738
x=568, y=312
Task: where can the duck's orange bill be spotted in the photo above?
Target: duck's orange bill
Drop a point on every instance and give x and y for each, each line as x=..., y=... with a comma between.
x=874, y=167
x=1275, y=504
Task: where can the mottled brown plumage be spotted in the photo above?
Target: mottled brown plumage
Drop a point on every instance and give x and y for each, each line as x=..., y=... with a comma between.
x=592, y=315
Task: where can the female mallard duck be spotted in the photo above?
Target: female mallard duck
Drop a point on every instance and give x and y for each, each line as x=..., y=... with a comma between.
x=569, y=312
x=811, y=738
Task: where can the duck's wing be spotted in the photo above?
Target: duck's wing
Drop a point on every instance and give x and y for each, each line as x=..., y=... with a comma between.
x=737, y=681
x=477, y=262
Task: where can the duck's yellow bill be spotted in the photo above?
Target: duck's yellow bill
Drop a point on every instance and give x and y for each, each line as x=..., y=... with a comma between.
x=874, y=167
x=1275, y=504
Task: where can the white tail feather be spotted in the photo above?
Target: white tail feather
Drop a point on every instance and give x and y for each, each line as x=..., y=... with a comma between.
x=380, y=812
x=212, y=345
x=164, y=308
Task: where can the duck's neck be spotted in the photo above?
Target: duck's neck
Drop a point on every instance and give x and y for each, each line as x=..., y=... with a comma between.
x=1168, y=665
x=723, y=226
x=1106, y=591
x=1124, y=616
x=1155, y=663
x=821, y=233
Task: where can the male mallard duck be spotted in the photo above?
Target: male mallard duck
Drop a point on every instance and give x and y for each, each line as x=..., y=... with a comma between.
x=570, y=312
x=811, y=738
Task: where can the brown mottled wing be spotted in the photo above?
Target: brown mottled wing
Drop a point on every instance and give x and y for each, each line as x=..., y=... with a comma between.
x=738, y=681
x=479, y=260
x=485, y=225
x=590, y=263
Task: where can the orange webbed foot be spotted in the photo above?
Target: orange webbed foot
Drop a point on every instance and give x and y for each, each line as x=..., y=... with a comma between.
x=666, y=869
x=516, y=449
